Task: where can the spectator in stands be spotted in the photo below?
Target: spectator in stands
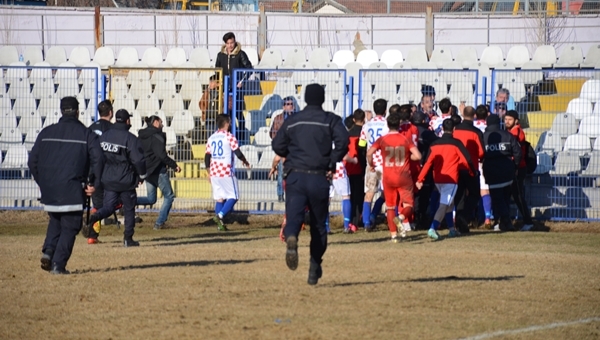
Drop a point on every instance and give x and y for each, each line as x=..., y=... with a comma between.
x=59, y=162
x=503, y=96
x=154, y=142
x=511, y=123
x=288, y=110
x=210, y=105
x=230, y=58
x=428, y=104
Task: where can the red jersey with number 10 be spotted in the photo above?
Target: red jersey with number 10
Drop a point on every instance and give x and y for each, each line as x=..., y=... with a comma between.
x=395, y=153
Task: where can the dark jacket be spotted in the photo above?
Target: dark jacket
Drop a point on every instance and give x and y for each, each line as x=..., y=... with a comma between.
x=60, y=160
x=305, y=140
x=100, y=126
x=472, y=139
x=355, y=151
x=502, y=156
x=154, y=143
x=125, y=162
x=426, y=137
x=238, y=59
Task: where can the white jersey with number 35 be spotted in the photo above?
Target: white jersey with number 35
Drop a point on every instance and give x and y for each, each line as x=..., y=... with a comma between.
x=371, y=131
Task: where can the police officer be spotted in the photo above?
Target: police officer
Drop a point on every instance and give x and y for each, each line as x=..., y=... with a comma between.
x=105, y=111
x=305, y=140
x=500, y=164
x=125, y=168
x=59, y=162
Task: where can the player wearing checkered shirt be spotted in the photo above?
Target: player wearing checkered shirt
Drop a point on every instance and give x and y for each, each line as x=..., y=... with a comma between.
x=397, y=152
x=220, y=148
x=371, y=131
x=341, y=185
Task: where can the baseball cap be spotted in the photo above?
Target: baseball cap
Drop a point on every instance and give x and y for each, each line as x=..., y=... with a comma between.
x=512, y=113
x=69, y=104
x=122, y=115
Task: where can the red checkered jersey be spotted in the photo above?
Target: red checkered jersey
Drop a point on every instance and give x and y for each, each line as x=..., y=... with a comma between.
x=371, y=131
x=340, y=171
x=436, y=124
x=395, y=150
x=480, y=124
x=220, y=146
x=409, y=131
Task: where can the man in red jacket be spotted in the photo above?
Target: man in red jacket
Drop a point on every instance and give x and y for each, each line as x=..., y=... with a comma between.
x=511, y=123
x=447, y=157
x=467, y=195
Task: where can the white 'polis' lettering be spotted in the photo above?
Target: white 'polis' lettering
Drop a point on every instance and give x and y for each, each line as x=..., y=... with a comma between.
x=109, y=147
x=496, y=147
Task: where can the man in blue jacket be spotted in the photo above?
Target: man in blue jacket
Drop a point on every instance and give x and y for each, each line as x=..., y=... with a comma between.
x=59, y=162
x=125, y=168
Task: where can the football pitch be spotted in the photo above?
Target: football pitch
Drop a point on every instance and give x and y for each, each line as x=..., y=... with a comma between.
x=193, y=282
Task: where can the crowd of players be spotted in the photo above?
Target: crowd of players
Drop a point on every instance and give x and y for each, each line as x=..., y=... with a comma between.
x=456, y=168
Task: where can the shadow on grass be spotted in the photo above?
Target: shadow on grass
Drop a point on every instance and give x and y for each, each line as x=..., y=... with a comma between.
x=207, y=235
x=210, y=240
x=165, y=265
x=428, y=279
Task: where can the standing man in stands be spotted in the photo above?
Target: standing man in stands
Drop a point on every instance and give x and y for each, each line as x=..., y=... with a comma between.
x=210, y=105
x=467, y=196
x=125, y=168
x=500, y=166
x=312, y=142
x=230, y=58
x=220, y=148
x=105, y=111
x=511, y=123
x=59, y=162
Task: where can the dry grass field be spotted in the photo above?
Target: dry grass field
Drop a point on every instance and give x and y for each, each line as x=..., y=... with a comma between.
x=193, y=282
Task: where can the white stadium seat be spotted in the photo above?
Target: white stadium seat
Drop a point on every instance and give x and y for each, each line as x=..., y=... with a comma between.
x=43, y=83
x=492, y=55
x=545, y=55
x=266, y=159
x=550, y=142
x=8, y=120
x=593, y=167
x=532, y=77
x=591, y=90
x=10, y=137
x=79, y=56
x=200, y=57
x=17, y=78
x=391, y=57
x=182, y=122
x=367, y=57
x=592, y=58
x=271, y=58
x=148, y=103
x=262, y=137
x=30, y=120
x=56, y=55
x=171, y=137
x=580, y=108
x=319, y=57
x=140, y=89
x=441, y=56
x=566, y=163
x=66, y=78
x=417, y=56
x=16, y=157
x=176, y=57
x=516, y=87
x=590, y=126
x=128, y=56
x=564, y=124
x=24, y=105
x=105, y=57
x=172, y=104
x=8, y=55
x=52, y=117
x=30, y=138
x=518, y=55
x=32, y=55
x=467, y=56
x=570, y=56
x=343, y=57
x=294, y=57
x=152, y=57
x=252, y=55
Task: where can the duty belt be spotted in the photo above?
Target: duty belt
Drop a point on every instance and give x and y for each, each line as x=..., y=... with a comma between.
x=310, y=172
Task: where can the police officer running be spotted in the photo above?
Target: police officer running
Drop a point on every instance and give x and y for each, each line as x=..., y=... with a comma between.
x=125, y=168
x=59, y=162
x=305, y=140
x=500, y=164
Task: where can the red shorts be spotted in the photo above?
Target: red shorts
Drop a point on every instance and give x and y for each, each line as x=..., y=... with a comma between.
x=398, y=196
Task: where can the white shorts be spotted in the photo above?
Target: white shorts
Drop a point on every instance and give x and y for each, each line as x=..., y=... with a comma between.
x=482, y=184
x=224, y=187
x=340, y=186
x=447, y=192
x=373, y=180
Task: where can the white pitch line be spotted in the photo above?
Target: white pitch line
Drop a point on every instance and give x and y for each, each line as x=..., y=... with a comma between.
x=531, y=329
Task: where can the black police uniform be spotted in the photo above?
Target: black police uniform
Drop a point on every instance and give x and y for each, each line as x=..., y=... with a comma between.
x=422, y=196
x=98, y=127
x=501, y=160
x=305, y=140
x=125, y=167
x=59, y=162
